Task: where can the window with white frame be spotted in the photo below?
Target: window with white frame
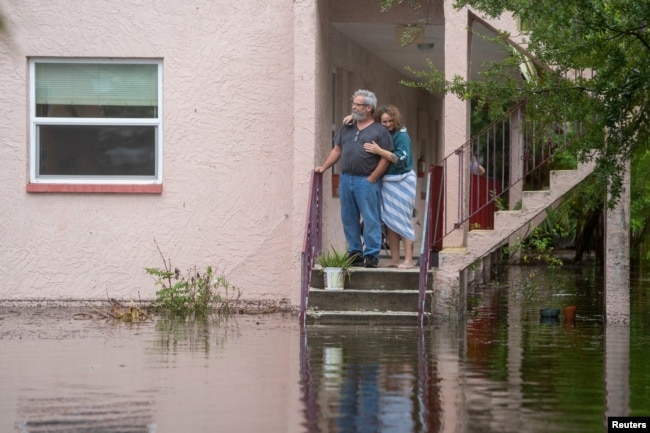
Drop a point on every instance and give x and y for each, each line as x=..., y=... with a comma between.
x=95, y=121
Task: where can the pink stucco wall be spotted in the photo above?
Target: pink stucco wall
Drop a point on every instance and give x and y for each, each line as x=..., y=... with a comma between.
x=231, y=163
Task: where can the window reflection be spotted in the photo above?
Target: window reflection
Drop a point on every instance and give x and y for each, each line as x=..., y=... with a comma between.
x=99, y=150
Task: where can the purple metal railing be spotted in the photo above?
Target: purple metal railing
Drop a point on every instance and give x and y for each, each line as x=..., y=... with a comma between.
x=425, y=252
x=313, y=241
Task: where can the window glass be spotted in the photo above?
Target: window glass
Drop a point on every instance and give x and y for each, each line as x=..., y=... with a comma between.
x=95, y=120
x=96, y=90
x=104, y=150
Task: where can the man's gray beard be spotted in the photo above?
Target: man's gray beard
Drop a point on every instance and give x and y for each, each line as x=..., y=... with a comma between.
x=356, y=115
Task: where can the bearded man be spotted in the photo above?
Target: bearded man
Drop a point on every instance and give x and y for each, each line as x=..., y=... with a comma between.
x=359, y=186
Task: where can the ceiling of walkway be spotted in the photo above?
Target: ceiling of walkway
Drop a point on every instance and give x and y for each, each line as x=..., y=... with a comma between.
x=375, y=31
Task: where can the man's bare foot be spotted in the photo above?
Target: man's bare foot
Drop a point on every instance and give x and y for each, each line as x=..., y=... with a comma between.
x=406, y=265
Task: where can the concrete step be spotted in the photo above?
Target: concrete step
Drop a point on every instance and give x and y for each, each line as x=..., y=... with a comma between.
x=366, y=300
x=510, y=222
x=365, y=318
x=373, y=279
x=370, y=296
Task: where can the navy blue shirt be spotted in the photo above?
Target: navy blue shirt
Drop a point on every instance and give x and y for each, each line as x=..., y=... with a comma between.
x=354, y=159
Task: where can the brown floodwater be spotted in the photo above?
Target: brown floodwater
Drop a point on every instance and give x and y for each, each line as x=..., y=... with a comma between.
x=503, y=369
x=59, y=374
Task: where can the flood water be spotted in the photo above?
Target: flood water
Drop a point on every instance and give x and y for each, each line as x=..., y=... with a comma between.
x=503, y=369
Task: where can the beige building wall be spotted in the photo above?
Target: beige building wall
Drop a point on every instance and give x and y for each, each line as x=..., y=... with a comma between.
x=238, y=133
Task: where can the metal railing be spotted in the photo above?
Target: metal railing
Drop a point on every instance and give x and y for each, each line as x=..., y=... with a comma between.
x=313, y=241
x=425, y=253
x=514, y=149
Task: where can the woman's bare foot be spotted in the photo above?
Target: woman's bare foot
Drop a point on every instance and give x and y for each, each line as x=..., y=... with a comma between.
x=406, y=265
x=391, y=265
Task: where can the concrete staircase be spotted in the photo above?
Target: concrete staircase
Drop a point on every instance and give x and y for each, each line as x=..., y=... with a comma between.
x=513, y=223
x=380, y=296
x=389, y=296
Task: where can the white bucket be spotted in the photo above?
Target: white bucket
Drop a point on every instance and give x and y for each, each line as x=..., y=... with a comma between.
x=334, y=278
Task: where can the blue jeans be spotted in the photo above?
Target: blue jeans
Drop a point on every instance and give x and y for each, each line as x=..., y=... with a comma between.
x=361, y=199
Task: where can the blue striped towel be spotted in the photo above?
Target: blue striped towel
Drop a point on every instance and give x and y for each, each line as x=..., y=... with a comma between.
x=398, y=199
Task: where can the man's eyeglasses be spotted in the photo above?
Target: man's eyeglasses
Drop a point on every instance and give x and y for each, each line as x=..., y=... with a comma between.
x=356, y=136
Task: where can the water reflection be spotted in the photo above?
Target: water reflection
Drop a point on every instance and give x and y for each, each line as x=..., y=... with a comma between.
x=360, y=379
x=175, y=336
x=87, y=410
x=504, y=369
x=59, y=374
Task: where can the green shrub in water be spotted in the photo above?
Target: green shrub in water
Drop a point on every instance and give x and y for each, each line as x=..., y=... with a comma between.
x=193, y=294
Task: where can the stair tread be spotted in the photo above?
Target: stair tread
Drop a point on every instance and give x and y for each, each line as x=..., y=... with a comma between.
x=414, y=269
x=364, y=318
x=361, y=313
x=409, y=291
x=510, y=222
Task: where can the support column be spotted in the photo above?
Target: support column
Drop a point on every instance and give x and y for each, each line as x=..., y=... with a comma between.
x=456, y=116
x=617, y=304
x=515, y=192
x=310, y=70
x=617, y=258
x=455, y=133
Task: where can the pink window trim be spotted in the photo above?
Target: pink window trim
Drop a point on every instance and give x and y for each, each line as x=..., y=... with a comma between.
x=89, y=188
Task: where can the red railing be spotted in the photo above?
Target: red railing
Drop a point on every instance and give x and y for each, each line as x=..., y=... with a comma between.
x=313, y=241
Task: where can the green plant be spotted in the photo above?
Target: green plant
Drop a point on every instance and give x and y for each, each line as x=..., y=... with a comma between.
x=194, y=294
x=334, y=258
x=529, y=288
x=499, y=201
